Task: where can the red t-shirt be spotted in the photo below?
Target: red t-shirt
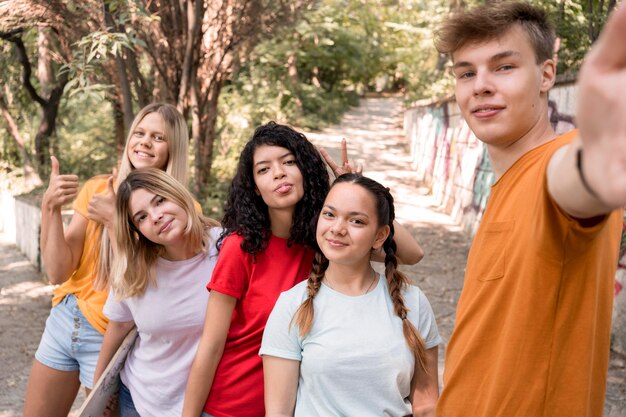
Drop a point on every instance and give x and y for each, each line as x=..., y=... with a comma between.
x=237, y=389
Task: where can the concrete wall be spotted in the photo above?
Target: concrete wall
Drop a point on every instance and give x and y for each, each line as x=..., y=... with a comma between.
x=7, y=217
x=21, y=224
x=28, y=226
x=449, y=159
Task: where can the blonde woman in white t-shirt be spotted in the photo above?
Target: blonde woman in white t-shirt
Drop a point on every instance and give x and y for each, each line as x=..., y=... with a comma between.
x=349, y=341
x=166, y=254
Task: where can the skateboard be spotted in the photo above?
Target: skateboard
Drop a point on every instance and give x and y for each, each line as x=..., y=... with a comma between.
x=108, y=383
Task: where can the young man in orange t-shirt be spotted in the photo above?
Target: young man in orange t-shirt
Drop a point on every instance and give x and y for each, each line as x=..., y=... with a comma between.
x=533, y=322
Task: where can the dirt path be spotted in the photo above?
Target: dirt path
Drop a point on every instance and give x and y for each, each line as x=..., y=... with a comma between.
x=375, y=138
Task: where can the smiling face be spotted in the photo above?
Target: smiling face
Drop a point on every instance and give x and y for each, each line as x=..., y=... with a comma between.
x=277, y=177
x=347, y=228
x=500, y=88
x=159, y=220
x=147, y=145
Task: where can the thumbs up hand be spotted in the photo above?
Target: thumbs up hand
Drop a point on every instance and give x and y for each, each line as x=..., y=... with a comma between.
x=61, y=188
x=101, y=207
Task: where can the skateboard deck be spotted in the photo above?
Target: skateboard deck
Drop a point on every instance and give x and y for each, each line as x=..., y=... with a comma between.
x=108, y=383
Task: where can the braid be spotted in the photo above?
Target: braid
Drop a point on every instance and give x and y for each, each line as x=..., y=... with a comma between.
x=305, y=313
x=397, y=281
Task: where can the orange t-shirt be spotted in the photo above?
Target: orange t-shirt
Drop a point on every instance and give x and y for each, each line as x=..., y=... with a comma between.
x=533, y=323
x=80, y=283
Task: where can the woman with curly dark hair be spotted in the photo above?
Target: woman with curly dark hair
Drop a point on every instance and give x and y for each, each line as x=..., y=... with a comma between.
x=266, y=248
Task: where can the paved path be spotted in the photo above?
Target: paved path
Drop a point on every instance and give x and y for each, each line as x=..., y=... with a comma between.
x=375, y=138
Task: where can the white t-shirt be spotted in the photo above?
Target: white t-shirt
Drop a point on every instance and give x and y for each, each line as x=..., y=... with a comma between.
x=169, y=320
x=355, y=360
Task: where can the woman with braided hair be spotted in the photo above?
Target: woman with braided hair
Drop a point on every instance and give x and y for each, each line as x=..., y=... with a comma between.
x=348, y=341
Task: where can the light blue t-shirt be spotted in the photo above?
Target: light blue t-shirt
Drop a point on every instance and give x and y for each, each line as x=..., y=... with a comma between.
x=355, y=360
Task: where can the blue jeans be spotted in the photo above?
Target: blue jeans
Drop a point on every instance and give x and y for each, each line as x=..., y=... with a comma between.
x=126, y=404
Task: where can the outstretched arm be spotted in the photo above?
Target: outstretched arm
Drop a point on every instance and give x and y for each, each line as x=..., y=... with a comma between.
x=588, y=177
x=60, y=250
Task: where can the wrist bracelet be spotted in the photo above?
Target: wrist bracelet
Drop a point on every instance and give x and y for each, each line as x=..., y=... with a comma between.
x=579, y=165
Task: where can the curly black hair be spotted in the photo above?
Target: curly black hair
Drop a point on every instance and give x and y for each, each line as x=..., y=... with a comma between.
x=245, y=212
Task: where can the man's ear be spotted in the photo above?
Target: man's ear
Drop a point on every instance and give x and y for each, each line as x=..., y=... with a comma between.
x=548, y=75
x=381, y=236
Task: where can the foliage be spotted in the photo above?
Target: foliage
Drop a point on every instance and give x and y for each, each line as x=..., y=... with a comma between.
x=578, y=23
x=250, y=62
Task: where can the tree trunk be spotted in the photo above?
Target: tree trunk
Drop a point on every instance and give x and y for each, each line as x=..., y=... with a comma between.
x=30, y=175
x=45, y=74
x=47, y=126
x=195, y=11
x=50, y=106
x=206, y=135
x=294, y=80
x=138, y=80
x=120, y=66
x=120, y=130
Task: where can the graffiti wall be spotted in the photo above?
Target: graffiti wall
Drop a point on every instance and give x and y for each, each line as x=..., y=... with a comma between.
x=448, y=158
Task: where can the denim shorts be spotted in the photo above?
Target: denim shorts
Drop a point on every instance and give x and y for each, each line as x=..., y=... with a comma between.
x=70, y=342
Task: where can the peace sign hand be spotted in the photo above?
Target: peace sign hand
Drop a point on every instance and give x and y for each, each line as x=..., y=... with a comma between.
x=347, y=166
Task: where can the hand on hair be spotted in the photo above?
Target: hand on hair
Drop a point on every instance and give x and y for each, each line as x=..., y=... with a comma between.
x=346, y=167
x=61, y=188
x=101, y=207
x=601, y=110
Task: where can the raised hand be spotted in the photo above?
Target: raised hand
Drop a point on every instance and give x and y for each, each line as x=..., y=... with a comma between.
x=346, y=166
x=61, y=188
x=101, y=207
x=601, y=113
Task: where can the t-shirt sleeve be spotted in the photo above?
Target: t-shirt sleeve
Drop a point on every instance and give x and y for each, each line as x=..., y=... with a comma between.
x=280, y=338
x=232, y=271
x=84, y=195
x=214, y=235
x=116, y=310
x=422, y=316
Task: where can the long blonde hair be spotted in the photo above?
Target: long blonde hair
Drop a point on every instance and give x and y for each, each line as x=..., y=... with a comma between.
x=132, y=269
x=177, y=137
x=396, y=280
